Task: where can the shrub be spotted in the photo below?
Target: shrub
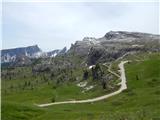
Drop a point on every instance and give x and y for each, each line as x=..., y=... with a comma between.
x=54, y=86
x=53, y=99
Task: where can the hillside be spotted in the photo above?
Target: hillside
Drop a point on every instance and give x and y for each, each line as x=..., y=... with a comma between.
x=134, y=103
x=89, y=69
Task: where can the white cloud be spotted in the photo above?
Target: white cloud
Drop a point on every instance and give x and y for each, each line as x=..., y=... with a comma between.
x=80, y=1
x=54, y=25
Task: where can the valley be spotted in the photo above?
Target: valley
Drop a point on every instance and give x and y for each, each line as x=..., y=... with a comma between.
x=92, y=73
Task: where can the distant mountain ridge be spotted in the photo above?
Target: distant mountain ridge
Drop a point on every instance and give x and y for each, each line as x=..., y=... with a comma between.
x=10, y=55
x=111, y=46
x=30, y=50
x=25, y=53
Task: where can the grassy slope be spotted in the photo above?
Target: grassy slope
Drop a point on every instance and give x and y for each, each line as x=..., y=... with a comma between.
x=44, y=92
x=141, y=101
x=19, y=111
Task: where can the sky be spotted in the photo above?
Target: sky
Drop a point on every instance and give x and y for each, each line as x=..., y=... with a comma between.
x=54, y=25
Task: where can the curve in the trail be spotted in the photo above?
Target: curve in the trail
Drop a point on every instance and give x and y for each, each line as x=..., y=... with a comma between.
x=122, y=83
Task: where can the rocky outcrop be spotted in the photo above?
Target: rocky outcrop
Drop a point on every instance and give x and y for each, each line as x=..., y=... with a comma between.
x=10, y=55
x=21, y=60
x=114, y=45
x=53, y=53
x=57, y=52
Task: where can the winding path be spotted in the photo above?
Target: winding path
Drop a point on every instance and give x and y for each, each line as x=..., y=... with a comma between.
x=122, y=83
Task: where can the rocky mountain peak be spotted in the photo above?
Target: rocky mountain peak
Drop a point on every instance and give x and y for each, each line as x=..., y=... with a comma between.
x=10, y=55
x=35, y=47
x=62, y=51
x=89, y=38
x=115, y=35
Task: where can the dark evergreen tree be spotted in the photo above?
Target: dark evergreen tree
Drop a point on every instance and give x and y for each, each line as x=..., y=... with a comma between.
x=85, y=74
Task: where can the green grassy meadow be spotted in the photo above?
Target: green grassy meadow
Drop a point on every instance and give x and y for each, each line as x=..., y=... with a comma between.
x=141, y=101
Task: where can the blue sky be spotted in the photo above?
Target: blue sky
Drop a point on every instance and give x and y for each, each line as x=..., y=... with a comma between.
x=53, y=25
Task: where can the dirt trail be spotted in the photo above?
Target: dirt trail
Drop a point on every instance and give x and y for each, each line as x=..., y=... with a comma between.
x=122, y=83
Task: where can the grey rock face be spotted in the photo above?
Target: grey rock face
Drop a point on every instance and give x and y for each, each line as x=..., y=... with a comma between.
x=115, y=44
x=57, y=52
x=24, y=55
x=118, y=35
x=53, y=53
x=21, y=60
x=80, y=48
x=10, y=55
x=63, y=51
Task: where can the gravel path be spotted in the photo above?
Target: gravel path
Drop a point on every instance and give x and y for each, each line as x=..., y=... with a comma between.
x=122, y=83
